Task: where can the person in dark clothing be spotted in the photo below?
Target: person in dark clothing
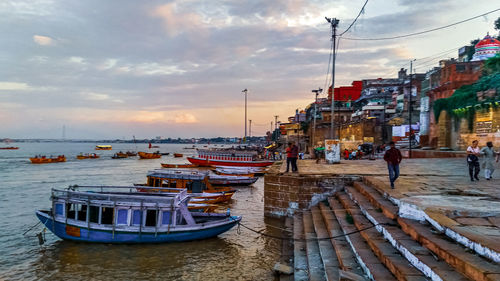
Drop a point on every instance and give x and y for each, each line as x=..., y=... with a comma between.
x=473, y=153
x=393, y=157
x=292, y=152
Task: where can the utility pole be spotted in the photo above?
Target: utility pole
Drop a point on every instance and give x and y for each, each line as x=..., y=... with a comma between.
x=316, y=92
x=276, y=122
x=409, y=105
x=250, y=128
x=334, y=23
x=271, y=130
x=245, y=91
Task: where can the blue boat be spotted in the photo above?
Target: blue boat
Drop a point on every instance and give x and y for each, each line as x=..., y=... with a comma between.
x=115, y=215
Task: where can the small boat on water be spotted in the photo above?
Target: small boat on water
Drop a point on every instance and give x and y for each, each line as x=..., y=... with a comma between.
x=178, y=155
x=87, y=156
x=121, y=216
x=235, y=170
x=45, y=160
x=217, y=179
x=131, y=153
x=120, y=155
x=221, y=157
x=170, y=166
x=9, y=147
x=148, y=155
x=103, y=147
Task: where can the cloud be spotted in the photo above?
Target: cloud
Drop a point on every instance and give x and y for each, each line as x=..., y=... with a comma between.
x=176, y=21
x=43, y=40
x=13, y=86
x=185, y=118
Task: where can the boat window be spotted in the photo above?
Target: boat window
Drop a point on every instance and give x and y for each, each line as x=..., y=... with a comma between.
x=59, y=209
x=151, y=218
x=70, y=211
x=82, y=212
x=197, y=187
x=122, y=217
x=150, y=181
x=172, y=184
x=94, y=214
x=165, y=219
x=136, y=217
x=157, y=182
x=107, y=215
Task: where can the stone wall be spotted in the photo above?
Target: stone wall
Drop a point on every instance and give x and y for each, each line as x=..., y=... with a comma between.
x=286, y=193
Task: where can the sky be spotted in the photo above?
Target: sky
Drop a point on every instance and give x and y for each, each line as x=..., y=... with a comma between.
x=117, y=69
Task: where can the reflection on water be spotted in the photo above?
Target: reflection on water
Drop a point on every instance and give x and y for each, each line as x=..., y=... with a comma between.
x=230, y=256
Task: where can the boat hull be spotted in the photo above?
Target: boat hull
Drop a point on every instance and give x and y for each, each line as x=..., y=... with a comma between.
x=175, y=166
x=211, y=162
x=83, y=234
x=146, y=155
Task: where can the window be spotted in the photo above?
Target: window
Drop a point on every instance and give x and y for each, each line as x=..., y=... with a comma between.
x=94, y=214
x=136, y=217
x=82, y=212
x=59, y=209
x=460, y=67
x=107, y=215
x=166, y=216
x=151, y=218
x=70, y=211
x=122, y=217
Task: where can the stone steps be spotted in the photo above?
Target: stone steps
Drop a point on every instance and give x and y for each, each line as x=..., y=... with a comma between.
x=397, y=264
x=299, y=250
x=314, y=257
x=440, y=258
x=328, y=256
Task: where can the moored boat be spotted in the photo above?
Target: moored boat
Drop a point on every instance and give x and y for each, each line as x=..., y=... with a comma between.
x=45, y=160
x=217, y=179
x=223, y=157
x=87, y=156
x=131, y=153
x=10, y=147
x=178, y=155
x=110, y=216
x=234, y=170
x=120, y=155
x=103, y=147
x=148, y=155
x=166, y=165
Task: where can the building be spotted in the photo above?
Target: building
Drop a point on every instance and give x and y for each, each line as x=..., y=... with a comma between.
x=486, y=48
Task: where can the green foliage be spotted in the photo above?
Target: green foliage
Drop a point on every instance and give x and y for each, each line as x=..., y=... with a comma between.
x=304, y=126
x=463, y=103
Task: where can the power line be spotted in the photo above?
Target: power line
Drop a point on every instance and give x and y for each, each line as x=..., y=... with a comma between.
x=354, y=21
x=423, y=32
x=328, y=69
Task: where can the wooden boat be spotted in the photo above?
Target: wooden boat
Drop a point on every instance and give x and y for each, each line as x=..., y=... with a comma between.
x=234, y=170
x=165, y=165
x=217, y=179
x=87, y=156
x=103, y=147
x=120, y=155
x=216, y=162
x=44, y=160
x=194, y=181
x=131, y=153
x=147, y=155
x=9, y=147
x=223, y=157
x=178, y=155
x=109, y=216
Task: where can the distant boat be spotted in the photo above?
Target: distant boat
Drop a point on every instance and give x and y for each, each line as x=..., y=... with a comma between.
x=10, y=147
x=45, y=160
x=131, y=153
x=164, y=165
x=103, y=147
x=178, y=155
x=147, y=155
x=87, y=156
x=129, y=217
x=153, y=146
x=120, y=155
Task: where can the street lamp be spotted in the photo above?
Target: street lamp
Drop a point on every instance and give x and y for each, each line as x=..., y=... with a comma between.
x=245, y=91
x=333, y=23
x=316, y=92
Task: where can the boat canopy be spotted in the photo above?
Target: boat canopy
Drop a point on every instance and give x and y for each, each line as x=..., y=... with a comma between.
x=103, y=146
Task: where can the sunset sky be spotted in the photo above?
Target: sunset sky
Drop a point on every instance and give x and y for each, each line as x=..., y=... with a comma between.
x=114, y=69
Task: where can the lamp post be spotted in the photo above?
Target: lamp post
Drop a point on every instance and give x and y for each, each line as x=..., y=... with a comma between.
x=316, y=92
x=409, y=105
x=245, y=91
x=334, y=23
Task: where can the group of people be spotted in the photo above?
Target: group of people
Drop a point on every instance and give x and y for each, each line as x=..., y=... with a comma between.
x=353, y=154
x=489, y=155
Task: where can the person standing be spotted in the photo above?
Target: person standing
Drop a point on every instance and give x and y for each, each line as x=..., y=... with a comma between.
x=473, y=153
x=489, y=158
x=292, y=152
x=393, y=157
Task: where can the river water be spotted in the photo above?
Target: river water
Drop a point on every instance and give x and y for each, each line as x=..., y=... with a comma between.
x=25, y=187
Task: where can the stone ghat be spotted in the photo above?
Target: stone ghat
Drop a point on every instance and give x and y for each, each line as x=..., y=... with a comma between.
x=426, y=229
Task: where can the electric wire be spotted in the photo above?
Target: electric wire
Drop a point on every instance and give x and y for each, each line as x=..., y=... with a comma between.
x=328, y=69
x=422, y=32
x=354, y=21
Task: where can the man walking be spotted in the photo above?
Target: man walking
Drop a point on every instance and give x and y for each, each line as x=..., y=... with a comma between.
x=473, y=153
x=489, y=158
x=393, y=157
x=292, y=152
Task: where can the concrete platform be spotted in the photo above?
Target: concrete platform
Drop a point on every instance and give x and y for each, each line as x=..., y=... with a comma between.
x=436, y=190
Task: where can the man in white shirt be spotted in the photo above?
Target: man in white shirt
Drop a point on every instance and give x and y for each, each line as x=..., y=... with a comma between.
x=473, y=153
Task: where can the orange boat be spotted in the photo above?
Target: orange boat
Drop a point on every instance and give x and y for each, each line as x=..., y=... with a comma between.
x=147, y=155
x=164, y=165
x=178, y=155
x=87, y=156
x=10, y=147
x=193, y=181
x=44, y=160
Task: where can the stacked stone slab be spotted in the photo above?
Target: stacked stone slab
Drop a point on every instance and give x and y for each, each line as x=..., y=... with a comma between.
x=378, y=244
